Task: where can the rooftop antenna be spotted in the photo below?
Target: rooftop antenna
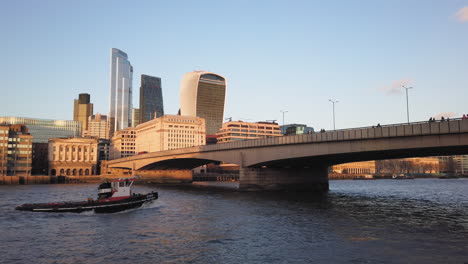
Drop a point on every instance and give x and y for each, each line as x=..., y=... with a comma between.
x=228, y=118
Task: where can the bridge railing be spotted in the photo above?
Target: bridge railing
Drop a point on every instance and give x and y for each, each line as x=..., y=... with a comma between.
x=456, y=125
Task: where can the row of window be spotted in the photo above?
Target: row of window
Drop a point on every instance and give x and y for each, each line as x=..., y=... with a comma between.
x=181, y=120
x=181, y=131
x=15, y=145
x=21, y=152
x=176, y=126
x=73, y=149
x=73, y=157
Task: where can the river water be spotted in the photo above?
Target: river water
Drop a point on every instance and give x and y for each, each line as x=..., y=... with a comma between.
x=380, y=221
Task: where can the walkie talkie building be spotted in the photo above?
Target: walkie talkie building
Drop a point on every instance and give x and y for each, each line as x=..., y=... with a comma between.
x=203, y=94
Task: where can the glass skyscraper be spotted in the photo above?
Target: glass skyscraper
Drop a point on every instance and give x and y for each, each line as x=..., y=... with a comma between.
x=203, y=94
x=120, y=100
x=151, y=101
x=43, y=129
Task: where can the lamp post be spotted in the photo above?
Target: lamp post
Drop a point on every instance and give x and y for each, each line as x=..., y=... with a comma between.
x=282, y=129
x=333, y=102
x=407, y=106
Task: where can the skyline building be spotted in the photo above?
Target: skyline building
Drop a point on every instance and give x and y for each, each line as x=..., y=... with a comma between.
x=73, y=156
x=122, y=144
x=82, y=110
x=44, y=129
x=203, y=94
x=135, y=117
x=151, y=100
x=120, y=94
x=239, y=130
x=170, y=132
x=99, y=126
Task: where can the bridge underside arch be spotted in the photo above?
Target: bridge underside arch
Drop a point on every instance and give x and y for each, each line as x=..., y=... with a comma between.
x=334, y=159
x=177, y=164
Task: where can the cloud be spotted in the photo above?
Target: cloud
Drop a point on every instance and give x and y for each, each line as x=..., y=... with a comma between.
x=395, y=87
x=462, y=14
x=446, y=114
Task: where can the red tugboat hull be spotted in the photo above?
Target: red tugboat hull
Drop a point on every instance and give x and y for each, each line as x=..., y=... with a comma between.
x=98, y=206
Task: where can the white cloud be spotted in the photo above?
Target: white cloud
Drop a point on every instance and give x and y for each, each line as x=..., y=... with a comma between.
x=395, y=87
x=462, y=14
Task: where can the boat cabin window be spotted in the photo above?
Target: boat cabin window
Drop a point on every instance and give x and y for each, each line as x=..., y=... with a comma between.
x=121, y=184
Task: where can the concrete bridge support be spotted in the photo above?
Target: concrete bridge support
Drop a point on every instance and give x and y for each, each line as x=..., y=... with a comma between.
x=308, y=179
x=165, y=176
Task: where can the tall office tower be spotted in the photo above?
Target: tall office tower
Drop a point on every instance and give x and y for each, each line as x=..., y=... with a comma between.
x=202, y=94
x=82, y=110
x=151, y=101
x=135, y=117
x=120, y=100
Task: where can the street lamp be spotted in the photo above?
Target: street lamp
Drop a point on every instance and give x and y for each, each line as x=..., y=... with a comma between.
x=333, y=102
x=407, y=107
x=283, y=130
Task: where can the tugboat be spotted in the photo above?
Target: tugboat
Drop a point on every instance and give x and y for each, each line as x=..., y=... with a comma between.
x=114, y=196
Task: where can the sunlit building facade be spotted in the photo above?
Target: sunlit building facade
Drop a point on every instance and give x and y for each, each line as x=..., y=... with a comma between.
x=238, y=130
x=15, y=150
x=99, y=126
x=73, y=156
x=120, y=98
x=203, y=94
x=151, y=100
x=123, y=143
x=364, y=167
x=170, y=132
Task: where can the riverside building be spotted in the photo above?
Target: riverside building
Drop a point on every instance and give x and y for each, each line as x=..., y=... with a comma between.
x=43, y=129
x=363, y=167
x=123, y=143
x=73, y=156
x=151, y=100
x=120, y=98
x=15, y=150
x=203, y=94
x=170, y=132
x=239, y=130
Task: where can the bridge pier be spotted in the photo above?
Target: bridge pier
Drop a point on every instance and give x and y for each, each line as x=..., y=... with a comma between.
x=165, y=176
x=308, y=179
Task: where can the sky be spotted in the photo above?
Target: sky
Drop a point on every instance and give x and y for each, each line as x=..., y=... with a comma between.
x=277, y=56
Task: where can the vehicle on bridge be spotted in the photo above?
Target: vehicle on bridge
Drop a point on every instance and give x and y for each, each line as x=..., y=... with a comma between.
x=114, y=196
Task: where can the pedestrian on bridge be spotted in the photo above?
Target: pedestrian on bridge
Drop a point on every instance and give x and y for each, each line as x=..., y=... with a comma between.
x=464, y=116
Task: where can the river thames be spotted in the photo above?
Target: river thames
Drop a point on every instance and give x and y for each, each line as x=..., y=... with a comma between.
x=379, y=221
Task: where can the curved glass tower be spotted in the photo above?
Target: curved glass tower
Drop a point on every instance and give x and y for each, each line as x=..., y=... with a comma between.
x=203, y=94
x=120, y=100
